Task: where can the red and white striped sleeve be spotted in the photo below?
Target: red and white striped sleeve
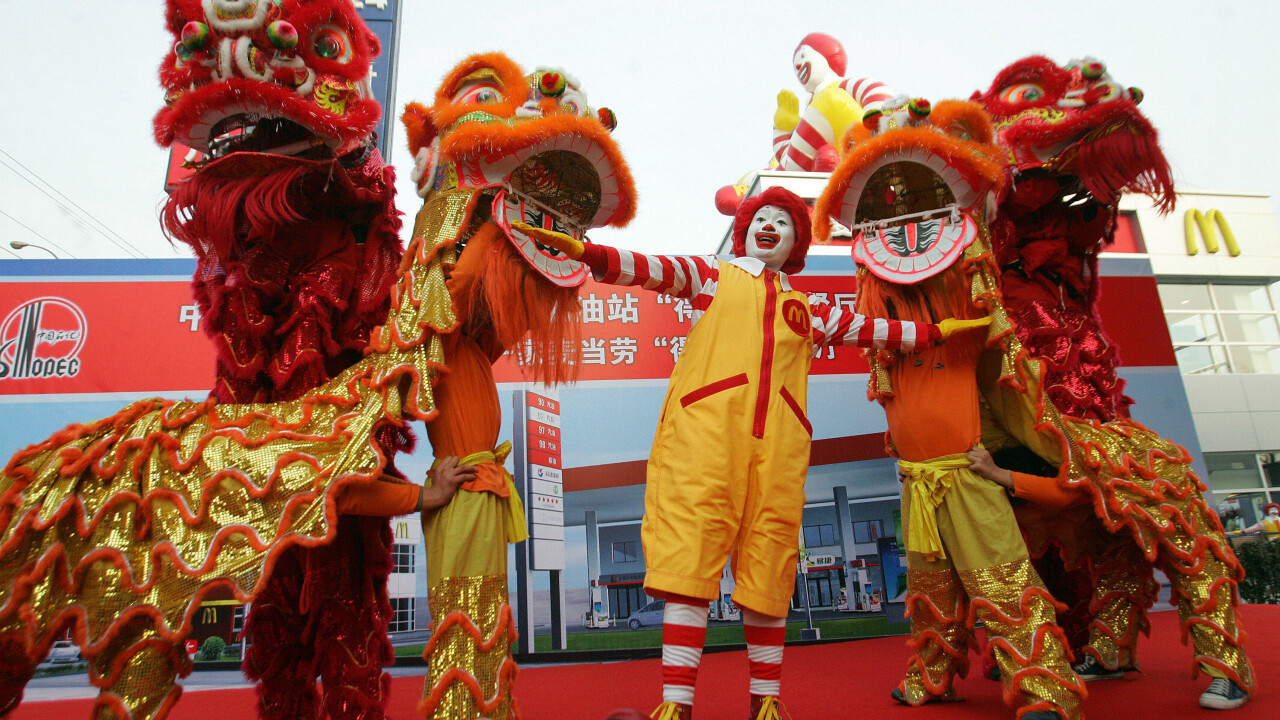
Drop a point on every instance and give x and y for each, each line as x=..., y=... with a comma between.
x=870, y=94
x=838, y=326
x=679, y=275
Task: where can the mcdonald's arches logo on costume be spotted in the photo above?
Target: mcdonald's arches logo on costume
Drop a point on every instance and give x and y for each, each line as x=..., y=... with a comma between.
x=796, y=315
x=1209, y=225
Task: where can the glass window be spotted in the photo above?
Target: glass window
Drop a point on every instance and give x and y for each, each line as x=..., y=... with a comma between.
x=868, y=531
x=1233, y=471
x=402, y=620
x=1242, y=327
x=818, y=535
x=402, y=556
x=1199, y=359
x=1184, y=297
x=1223, y=328
x=625, y=552
x=1200, y=327
x=1241, y=297
x=1255, y=358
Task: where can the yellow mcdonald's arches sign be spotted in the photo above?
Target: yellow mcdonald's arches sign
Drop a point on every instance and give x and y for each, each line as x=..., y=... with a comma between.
x=210, y=615
x=1205, y=222
x=402, y=529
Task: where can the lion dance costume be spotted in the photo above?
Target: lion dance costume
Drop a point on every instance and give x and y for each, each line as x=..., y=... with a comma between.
x=497, y=148
x=119, y=528
x=1072, y=140
x=915, y=193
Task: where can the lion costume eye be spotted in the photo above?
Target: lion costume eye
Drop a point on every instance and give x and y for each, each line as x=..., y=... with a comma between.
x=332, y=43
x=1027, y=92
x=1107, y=91
x=480, y=94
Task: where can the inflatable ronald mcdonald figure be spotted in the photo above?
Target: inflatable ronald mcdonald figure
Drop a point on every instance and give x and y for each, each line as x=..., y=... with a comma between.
x=726, y=475
x=805, y=141
x=836, y=103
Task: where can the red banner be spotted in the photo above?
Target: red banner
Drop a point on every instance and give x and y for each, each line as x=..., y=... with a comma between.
x=143, y=335
x=96, y=337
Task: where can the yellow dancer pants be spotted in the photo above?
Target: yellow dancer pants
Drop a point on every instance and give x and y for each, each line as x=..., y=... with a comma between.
x=982, y=573
x=470, y=672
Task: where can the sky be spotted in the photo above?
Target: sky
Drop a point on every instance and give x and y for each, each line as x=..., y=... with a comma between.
x=693, y=85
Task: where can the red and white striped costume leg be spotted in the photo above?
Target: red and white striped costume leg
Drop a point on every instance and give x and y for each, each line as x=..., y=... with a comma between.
x=765, y=636
x=684, y=632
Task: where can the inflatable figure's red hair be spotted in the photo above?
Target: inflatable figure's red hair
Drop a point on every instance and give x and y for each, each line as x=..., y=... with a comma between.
x=829, y=48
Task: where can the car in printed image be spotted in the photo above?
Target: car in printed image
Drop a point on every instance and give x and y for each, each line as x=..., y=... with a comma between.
x=64, y=652
x=650, y=614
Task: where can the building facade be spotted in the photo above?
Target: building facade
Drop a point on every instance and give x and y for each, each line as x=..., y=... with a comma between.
x=1216, y=259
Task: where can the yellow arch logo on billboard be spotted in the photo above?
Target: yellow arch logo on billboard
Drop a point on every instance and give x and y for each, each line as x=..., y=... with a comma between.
x=1209, y=224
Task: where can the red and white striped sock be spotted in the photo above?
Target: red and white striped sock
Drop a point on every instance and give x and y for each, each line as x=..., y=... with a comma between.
x=765, y=636
x=684, y=632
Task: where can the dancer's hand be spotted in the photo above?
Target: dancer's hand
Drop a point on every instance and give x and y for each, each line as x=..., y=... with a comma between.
x=445, y=479
x=567, y=244
x=981, y=462
x=951, y=326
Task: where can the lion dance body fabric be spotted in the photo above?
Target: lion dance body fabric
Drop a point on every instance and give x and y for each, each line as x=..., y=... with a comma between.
x=1072, y=140
x=498, y=147
x=119, y=528
x=915, y=193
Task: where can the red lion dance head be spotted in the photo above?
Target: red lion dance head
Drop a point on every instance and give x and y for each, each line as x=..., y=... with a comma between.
x=291, y=216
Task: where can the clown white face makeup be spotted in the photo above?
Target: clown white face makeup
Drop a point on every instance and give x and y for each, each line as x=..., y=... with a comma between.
x=812, y=68
x=1273, y=512
x=770, y=236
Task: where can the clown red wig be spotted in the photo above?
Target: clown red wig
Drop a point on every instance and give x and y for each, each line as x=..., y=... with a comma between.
x=794, y=205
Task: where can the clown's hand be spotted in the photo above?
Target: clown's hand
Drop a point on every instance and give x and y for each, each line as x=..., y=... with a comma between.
x=567, y=244
x=787, y=116
x=951, y=326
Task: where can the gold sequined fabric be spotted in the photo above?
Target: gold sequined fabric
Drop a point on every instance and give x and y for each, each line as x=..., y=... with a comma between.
x=470, y=672
x=1139, y=484
x=1123, y=591
x=145, y=510
x=410, y=342
x=1019, y=616
x=137, y=677
x=940, y=639
x=1207, y=606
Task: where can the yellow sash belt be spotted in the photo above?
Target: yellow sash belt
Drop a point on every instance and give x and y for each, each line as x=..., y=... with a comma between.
x=517, y=527
x=928, y=483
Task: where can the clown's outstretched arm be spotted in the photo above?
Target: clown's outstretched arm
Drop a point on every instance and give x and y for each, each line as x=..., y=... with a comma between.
x=680, y=276
x=837, y=325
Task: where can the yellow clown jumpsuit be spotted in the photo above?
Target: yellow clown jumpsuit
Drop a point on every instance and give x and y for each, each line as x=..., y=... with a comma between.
x=726, y=474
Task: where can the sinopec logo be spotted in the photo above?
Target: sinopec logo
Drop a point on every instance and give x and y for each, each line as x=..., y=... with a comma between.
x=42, y=338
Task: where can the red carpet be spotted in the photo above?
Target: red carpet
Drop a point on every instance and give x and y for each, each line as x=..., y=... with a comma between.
x=840, y=680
